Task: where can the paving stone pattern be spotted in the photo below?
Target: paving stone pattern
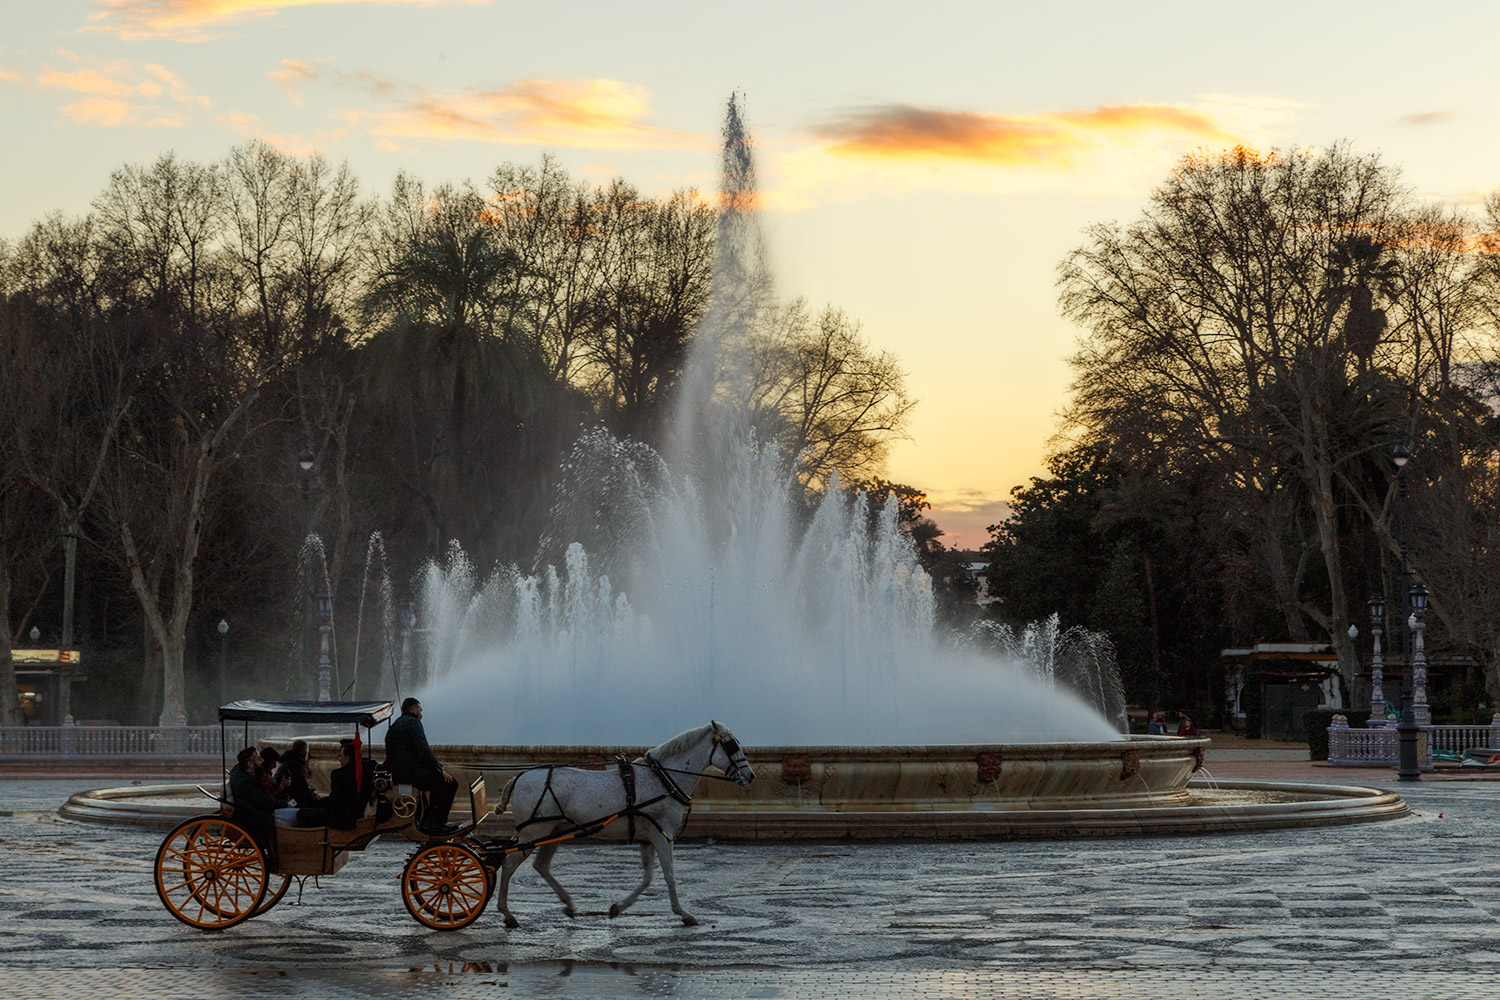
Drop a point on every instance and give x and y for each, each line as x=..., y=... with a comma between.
x=1411, y=906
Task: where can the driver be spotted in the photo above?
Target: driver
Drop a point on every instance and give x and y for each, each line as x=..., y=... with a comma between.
x=411, y=761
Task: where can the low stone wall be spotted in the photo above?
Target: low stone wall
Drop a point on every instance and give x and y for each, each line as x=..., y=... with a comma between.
x=1135, y=772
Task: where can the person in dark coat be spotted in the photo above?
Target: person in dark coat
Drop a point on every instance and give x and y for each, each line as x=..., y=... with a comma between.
x=292, y=775
x=254, y=808
x=411, y=761
x=346, y=799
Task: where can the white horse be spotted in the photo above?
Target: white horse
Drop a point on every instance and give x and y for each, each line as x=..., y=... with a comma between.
x=552, y=802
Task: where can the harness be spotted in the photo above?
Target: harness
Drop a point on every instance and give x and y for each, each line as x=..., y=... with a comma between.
x=633, y=808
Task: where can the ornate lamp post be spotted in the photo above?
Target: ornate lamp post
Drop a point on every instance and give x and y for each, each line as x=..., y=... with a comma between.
x=223, y=644
x=408, y=617
x=1377, y=665
x=1420, y=710
x=325, y=626
x=1406, y=729
x=305, y=461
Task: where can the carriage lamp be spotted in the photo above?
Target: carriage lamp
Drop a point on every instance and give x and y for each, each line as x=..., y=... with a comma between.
x=1376, y=605
x=407, y=614
x=305, y=459
x=325, y=605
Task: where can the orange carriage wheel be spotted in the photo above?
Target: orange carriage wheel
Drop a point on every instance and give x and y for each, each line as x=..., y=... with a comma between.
x=273, y=896
x=210, y=873
x=477, y=846
x=445, y=886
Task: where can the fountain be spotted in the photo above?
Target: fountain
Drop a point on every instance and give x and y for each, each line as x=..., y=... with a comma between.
x=676, y=588
x=671, y=590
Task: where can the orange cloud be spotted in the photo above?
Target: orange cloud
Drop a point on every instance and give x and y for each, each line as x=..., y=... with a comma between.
x=1056, y=137
x=1110, y=150
x=194, y=20
x=252, y=127
x=113, y=92
x=291, y=73
x=588, y=114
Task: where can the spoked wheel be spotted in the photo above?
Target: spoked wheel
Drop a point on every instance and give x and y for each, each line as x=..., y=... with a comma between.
x=445, y=886
x=273, y=895
x=210, y=873
x=491, y=875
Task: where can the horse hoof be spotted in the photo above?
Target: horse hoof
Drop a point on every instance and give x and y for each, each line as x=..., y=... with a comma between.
x=569, y=911
x=688, y=920
x=614, y=910
x=512, y=922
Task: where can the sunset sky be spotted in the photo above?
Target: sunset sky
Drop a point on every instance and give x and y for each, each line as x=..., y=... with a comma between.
x=925, y=167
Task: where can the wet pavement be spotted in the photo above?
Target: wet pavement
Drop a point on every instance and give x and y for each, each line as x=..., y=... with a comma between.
x=1411, y=905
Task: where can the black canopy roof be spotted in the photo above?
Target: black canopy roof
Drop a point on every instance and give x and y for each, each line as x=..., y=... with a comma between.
x=366, y=713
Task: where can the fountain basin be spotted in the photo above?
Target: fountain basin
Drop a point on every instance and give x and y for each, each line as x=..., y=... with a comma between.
x=1137, y=772
x=1137, y=786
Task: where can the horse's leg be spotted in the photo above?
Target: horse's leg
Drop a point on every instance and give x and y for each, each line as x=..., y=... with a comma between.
x=543, y=865
x=664, y=851
x=647, y=852
x=507, y=869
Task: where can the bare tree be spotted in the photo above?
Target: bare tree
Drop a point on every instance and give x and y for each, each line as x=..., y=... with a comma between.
x=829, y=402
x=1254, y=321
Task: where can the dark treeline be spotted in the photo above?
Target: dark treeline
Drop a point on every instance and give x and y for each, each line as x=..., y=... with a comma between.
x=168, y=355
x=1255, y=346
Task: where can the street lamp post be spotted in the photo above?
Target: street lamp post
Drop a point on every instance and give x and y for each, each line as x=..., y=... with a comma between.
x=1377, y=665
x=223, y=648
x=325, y=626
x=305, y=461
x=1406, y=729
x=1420, y=710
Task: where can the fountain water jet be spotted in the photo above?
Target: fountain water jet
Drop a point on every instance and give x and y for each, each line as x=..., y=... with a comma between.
x=705, y=590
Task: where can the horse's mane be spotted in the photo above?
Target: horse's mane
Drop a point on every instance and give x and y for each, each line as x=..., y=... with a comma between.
x=680, y=742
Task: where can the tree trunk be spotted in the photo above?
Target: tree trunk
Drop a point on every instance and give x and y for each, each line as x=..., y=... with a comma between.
x=10, y=699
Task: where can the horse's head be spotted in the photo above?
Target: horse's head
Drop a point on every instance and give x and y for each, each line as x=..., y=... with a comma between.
x=729, y=757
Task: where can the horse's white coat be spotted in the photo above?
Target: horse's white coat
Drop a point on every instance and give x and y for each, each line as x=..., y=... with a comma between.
x=577, y=797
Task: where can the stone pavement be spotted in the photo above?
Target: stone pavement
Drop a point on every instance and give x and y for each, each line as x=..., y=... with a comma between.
x=1411, y=906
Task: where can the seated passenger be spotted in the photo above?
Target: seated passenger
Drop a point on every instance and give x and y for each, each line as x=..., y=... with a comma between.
x=254, y=808
x=346, y=799
x=269, y=758
x=293, y=775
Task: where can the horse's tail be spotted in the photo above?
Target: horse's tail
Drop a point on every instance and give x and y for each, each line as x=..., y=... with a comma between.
x=505, y=795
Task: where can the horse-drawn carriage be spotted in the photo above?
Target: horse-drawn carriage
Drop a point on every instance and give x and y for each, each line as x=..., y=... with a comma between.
x=212, y=872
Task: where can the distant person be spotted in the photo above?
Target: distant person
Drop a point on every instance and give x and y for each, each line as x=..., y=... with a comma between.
x=1185, y=726
x=254, y=807
x=411, y=761
x=1156, y=727
x=347, y=797
x=292, y=775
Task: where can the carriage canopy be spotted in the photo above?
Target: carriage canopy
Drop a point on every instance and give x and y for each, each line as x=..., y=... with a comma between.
x=365, y=713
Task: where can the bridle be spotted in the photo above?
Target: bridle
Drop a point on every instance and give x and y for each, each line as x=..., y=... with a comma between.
x=731, y=752
x=723, y=739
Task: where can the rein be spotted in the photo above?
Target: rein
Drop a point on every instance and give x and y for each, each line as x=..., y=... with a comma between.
x=627, y=777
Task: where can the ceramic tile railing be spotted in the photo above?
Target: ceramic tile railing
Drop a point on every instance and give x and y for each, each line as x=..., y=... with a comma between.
x=1381, y=746
x=133, y=741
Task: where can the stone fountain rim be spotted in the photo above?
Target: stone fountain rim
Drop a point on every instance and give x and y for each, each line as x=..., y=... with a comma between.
x=1013, y=751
